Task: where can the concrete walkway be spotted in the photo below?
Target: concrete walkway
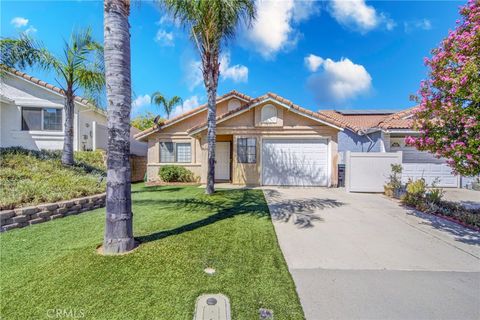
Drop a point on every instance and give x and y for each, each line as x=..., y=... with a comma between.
x=363, y=256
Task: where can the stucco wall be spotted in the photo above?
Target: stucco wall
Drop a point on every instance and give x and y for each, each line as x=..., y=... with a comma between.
x=350, y=141
x=290, y=124
x=27, y=94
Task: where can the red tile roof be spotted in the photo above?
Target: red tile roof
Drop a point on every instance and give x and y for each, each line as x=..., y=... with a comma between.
x=399, y=120
x=203, y=107
x=49, y=86
x=280, y=99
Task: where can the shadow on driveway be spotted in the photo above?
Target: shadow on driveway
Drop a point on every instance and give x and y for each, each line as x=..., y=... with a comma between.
x=303, y=212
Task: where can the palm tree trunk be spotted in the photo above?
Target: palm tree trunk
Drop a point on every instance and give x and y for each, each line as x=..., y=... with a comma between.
x=118, y=226
x=67, y=154
x=210, y=75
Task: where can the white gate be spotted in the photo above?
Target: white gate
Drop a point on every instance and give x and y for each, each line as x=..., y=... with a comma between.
x=369, y=171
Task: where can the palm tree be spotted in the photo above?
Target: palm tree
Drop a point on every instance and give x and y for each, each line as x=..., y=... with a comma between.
x=118, y=226
x=168, y=105
x=211, y=23
x=81, y=67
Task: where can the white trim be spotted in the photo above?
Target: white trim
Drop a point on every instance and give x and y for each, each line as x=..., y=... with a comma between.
x=90, y=107
x=269, y=99
x=400, y=131
x=5, y=99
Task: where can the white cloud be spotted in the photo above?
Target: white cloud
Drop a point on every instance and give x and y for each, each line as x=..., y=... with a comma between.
x=140, y=101
x=194, y=74
x=422, y=24
x=31, y=30
x=187, y=105
x=18, y=22
x=313, y=62
x=237, y=73
x=164, y=38
x=358, y=15
x=339, y=81
x=274, y=28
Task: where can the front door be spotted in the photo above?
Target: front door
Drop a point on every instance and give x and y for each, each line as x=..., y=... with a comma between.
x=222, y=157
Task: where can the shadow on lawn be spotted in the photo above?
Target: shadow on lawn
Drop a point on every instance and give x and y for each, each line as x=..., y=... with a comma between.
x=226, y=204
x=303, y=212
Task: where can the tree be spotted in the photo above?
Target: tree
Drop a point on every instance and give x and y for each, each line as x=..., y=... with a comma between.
x=81, y=67
x=448, y=117
x=211, y=23
x=168, y=105
x=145, y=121
x=118, y=226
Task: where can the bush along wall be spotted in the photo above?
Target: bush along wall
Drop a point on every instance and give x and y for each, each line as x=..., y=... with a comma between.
x=22, y=217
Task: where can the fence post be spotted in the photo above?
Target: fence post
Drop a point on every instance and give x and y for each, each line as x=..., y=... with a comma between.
x=94, y=135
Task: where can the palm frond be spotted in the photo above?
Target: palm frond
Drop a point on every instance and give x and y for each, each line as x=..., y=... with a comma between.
x=158, y=98
x=26, y=52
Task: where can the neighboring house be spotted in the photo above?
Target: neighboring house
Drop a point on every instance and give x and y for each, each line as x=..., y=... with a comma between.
x=32, y=116
x=263, y=141
x=384, y=131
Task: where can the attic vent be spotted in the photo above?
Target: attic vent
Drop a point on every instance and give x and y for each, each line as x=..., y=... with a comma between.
x=233, y=104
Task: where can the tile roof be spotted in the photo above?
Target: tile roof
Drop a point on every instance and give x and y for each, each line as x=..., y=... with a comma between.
x=356, y=122
x=399, y=120
x=280, y=99
x=200, y=108
x=49, y=86
x=361, y=122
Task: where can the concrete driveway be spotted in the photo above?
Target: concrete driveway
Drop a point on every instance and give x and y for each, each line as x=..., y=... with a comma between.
x=363, y=256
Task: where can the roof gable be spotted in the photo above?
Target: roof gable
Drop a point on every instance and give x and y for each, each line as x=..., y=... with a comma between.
x=277, y=100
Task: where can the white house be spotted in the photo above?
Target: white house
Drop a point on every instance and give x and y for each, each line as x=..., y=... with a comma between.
x=32, y=117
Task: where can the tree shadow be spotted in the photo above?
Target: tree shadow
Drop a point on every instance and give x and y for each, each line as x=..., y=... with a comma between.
x=224, y=204
x=461, y=233
x=145, y=189
x=303, y=212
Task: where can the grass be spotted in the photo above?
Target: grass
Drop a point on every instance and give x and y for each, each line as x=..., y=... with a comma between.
x=31, y=177
x=54, y=265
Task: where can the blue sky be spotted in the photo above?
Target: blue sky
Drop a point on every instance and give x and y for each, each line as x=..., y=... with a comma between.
x=321, y=55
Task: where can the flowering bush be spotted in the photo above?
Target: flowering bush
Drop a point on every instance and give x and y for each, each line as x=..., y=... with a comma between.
x=448, y=117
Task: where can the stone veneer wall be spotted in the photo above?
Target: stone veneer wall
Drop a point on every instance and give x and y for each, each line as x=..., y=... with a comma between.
x=21, y=217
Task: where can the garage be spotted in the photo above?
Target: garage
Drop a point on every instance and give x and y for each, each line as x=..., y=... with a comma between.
x=420, y=164
x=295, y=162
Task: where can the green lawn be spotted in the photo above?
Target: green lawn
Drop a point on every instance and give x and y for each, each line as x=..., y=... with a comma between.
x=54, y=265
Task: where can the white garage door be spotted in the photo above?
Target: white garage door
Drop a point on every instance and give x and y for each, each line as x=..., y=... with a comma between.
x=430, y=172
x=295, y=162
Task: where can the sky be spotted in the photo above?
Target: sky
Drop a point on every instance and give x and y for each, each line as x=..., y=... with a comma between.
x=319, y=54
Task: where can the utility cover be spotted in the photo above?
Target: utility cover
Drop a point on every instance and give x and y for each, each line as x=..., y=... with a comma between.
x=212, y=307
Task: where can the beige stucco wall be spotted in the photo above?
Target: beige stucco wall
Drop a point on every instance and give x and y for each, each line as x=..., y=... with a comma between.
x=289, y=124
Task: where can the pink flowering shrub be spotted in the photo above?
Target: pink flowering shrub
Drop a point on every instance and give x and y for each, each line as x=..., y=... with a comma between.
x=448, y=117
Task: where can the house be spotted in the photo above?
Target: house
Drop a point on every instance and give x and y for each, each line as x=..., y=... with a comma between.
x=267, y=140
x=385, y=131
x=32, y=117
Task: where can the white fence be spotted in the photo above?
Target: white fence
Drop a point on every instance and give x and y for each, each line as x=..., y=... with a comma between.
x=100, y=140
x=99, y=136
x=369, y=171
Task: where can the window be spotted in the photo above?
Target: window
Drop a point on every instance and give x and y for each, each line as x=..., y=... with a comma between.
x=269, y=114
x=41, y=119
x=234, y=104
x=171, y=152
x=246, y=150
x=52, y=119
x=184, y=152
x=31, y=119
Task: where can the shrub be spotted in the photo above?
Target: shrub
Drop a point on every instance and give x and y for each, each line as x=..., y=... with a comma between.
x=29, y=177
x=173, y=173
x=416, y=190
x=394, y=187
